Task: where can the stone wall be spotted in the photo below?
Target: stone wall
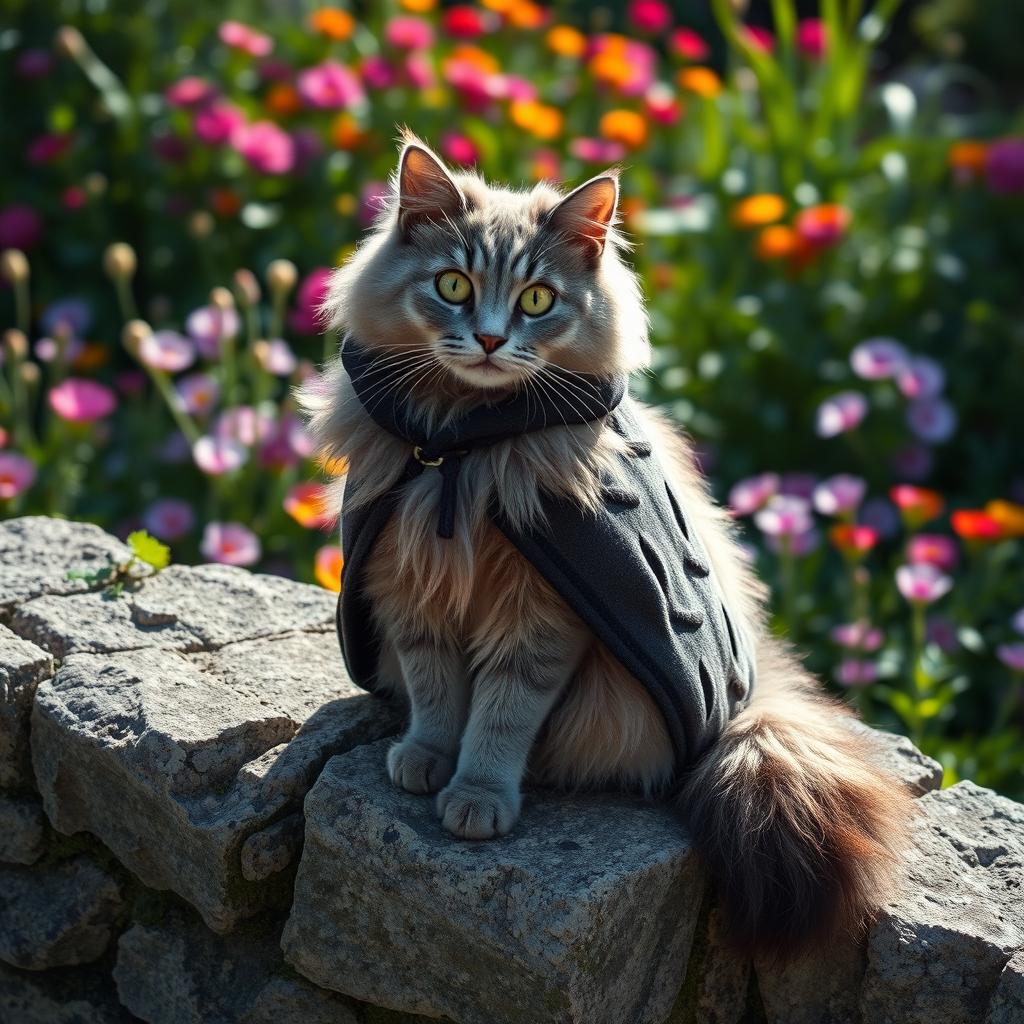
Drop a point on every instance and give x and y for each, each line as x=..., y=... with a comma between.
x=196, y=826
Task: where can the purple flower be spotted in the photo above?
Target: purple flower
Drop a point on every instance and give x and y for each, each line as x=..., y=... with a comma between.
x=169, y=518
x=932, y=419
x=1012, y=656
x=71, y=315
x=167, y=350
x=801, y=485
x=329, y=86
x=784, y=516
x=267, y=148
x=198, y=393
x=230, y=543
x=856, y=672
x=209, y=327
x=840, y=413
x=921, y=377
x=839, y=495
x=878, y=358
x=1005, y=166
x=245, y=424
x=858, y=636
x=20, y=227
x=275, y=357
x=922, y=583
x=1018, y=621
x=913, y=462
x=941, y=631
x=751, y=493
x=35, y=63
x=881, y=515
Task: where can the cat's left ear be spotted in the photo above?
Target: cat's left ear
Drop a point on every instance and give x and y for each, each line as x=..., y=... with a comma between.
x=585, y=214
x=426, y=191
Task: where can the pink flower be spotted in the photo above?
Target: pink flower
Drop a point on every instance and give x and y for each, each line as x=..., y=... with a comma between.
x=169, y=518
x=460, y=149
x=784, y=516
x=47, y=350
x=244, y=424
x=216, y=123
x=81, y=401
x=812, y=38
x=878, y=358
x=248, y=40
x=751, y=493
x=377, y=72
x=167, y=350
x=856, y=672
x=198, y=393
x=276, y=357
x=408, y=33
x=799, y=484
x=17, y=474
x=312, y=292
x=759, y=38
x=858, y=636
x=932, y=549
x=597, y=151
x=330, y=85
x=840, y=413
x=1012, y=656
x=932, y=419
x=218, y=455
x=231, y=544
x=267, y=147
x=209, y=327
x=798, y=544
x=371, y=202
x=661, y=104
x=839, y=495
x=921, y=377
x=512, y=87
x=1005, y=166
x=46, y=148
x=191, y=91
x=652, y=16
x=419, y=71
x=922, y=583
x=689, y=45
x=20, y=227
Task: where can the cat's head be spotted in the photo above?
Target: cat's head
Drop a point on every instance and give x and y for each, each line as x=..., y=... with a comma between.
x=475, y=288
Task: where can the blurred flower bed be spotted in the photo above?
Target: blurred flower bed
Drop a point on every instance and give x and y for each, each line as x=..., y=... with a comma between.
x=831, y=248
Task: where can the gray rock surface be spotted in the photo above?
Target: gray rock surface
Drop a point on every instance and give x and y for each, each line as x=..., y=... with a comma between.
x=184, y=608
x=58, y=915
x=22, y=667
x=179, y=972
x=585, y=913
x=898, y=755
x=23, y=830
x=937, y=951
x=175, y=760
x=76, y=995
x=1007, y=1006
x=36, y=554
x=820, y=988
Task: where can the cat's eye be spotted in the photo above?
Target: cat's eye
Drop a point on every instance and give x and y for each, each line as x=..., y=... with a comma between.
x=536, y=300
x=453, y=287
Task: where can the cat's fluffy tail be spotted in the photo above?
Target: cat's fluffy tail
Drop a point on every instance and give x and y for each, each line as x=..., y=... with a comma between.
x=795, y=819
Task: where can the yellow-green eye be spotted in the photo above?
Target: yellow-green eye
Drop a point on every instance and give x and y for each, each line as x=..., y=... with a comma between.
x=537, y=299
x=454, y=287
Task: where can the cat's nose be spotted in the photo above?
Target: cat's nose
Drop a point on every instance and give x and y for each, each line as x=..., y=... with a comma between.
x=489, y=342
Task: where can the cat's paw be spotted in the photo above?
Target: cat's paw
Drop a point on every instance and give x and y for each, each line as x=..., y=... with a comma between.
x=474, y=811
x=417, y=768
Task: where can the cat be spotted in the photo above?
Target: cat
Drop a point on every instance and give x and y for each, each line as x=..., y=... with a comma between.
x=465, y=293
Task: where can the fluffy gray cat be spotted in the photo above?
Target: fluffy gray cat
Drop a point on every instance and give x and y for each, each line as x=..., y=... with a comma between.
x=464, y=293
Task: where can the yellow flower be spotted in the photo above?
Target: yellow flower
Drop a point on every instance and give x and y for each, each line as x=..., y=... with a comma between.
x=758, y=210
x=333, y=22
x=419, y=6
x=345, y=204
x=700, y=80
x=566, y=41
x=537, y=118
x=625, y=126
x=1008, y=515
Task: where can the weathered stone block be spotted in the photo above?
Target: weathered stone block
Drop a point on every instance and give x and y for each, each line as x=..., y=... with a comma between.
x=898, y=755
x=819, y=988
x=58, y=915
x=23, y=830
x=585, y=913
x=175, y=761
x=70, y=995
x=22, y=667
x=1007, y=1006
x=184, y=608
x=937, y=951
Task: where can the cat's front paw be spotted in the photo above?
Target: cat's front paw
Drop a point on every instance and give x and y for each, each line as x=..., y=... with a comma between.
x=417, y=768
x=474, y=811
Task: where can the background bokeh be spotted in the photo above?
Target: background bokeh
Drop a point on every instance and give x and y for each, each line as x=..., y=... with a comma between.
x=826, y=204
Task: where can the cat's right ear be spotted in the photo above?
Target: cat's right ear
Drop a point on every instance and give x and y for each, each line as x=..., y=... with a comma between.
x=426, y=191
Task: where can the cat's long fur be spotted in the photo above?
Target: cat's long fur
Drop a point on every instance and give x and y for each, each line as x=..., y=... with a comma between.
x=793, y=815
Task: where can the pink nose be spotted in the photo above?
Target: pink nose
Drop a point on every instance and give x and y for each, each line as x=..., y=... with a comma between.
x=489, y=342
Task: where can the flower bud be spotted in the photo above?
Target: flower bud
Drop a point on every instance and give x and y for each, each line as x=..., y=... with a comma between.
x=200, y=225
x=281, y=276
x=14, y=266
x=133, y=334
x=16, y=343
x=95, y=184
x=261, y=352
x=247, y=288
x=69, y=42
x=222, y=299
x=29, y=372
x=119, y=261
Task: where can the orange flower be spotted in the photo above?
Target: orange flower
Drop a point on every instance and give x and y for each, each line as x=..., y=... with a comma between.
x=853, y=541
x=566, y=41
x=333, y=22
x=968, y=157
x=282, y=99
x=498, y=6
x=758, y=210
x=625, y=126
x=778, y=243
x=346, y=131
x=480, y=59
x=610, y=67
x=91, y=356
x=419, y=6
x=1008, y=515
x=917, y=505
x=225, y=202
x=328, y=566
x=700, y=80
x=537, y=118
x=974, y=524
x=305, y=503
x=824, y=224
x=545, y=166
x=525, y=14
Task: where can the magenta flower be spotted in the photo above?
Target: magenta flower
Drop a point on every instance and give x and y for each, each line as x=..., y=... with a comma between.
x=839, y=495
x=932, y=549
x=305, y=317
x=248, y=40
x=169, y=518
x=688, y=44
x=812, y=38
x=878, y=358
x=268, y=148
x=596, y=151
x=856, y=672
x=840, y=413
x=784, y=516
x=17, y=474
x=801, y=485
x=921, y=377
x=377, y=72
x=34, y=63
x=759, y=38
x=752, y=493
x=418, y=70
x=216, y=456
x=372, y=201
x=209, y=327
x=191, y=91
x=216, y=123
x=47, y=148
x=276, y=357
x=652, y=16
x=1012, y=656
x=167, y=350
x=20, y=227
x=1005, y=166
x=858, y=636
x=198, y=393
x=1018, y=621
x=330, y=85
x=941, y=631
x=408, y=33
x=458, y=148
x=231, y=544
x=922, y=583
x=78, y=400
x=932, y=419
